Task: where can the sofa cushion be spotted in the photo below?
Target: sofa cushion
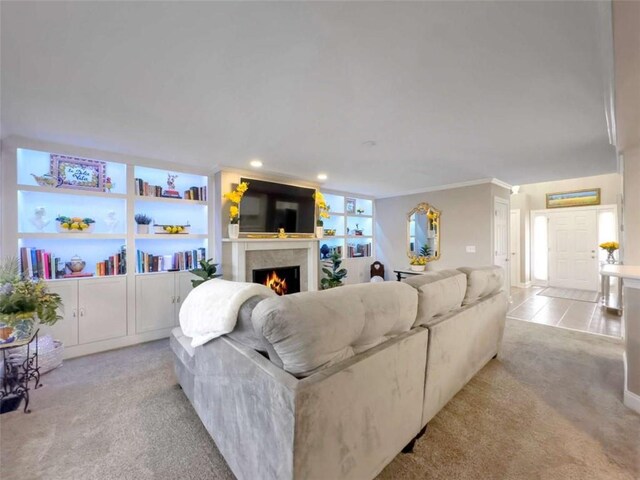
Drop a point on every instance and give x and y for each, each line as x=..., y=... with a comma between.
x=482, y=282
x=439, y=292
x=244, y=332
x=308, y=331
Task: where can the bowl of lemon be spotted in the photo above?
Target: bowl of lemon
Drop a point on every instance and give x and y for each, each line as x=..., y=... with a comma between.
x=75, y=224
x=171, y=229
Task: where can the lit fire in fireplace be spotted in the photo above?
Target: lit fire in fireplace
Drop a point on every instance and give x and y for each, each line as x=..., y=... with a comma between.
x=275, y=283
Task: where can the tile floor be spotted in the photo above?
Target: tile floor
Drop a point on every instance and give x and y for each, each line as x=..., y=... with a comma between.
x=527, y=305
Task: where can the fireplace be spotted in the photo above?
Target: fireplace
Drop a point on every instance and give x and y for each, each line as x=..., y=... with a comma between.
x=282, y=280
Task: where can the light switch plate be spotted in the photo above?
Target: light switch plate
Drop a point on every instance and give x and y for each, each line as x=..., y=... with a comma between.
x=471, y=249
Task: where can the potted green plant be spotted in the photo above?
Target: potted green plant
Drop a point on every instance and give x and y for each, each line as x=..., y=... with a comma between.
x=207, y=271
x=142, y=223
x=24, y=303
x=334, y=276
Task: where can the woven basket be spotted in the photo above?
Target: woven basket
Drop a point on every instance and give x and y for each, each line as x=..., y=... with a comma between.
x=50, y=353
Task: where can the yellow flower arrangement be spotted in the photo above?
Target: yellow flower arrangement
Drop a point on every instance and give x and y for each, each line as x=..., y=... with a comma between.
x=235, y=197
x=323, y=208
x=610, y=246
x=418, y=260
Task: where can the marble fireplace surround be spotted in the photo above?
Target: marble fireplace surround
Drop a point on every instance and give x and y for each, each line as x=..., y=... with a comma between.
x=241, y=256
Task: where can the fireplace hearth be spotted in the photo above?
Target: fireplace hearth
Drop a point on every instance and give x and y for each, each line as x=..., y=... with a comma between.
x=282, y=280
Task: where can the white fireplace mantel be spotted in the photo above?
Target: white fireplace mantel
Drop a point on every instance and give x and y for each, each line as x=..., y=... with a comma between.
x=234, y=264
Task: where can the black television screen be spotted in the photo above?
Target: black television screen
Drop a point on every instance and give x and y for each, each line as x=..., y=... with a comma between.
x=267, y=207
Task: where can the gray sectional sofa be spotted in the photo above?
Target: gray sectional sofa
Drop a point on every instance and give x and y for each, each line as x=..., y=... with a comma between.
x=334, y=384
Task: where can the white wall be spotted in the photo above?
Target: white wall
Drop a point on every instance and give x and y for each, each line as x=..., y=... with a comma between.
x=466, y=220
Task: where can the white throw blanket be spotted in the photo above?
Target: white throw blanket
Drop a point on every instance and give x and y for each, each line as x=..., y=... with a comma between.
x=211, y=309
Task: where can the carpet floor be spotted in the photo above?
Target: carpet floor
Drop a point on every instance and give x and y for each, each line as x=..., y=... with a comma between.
x=548, y=408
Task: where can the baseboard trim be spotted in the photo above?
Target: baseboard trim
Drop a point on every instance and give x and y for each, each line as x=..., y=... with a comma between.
x=632, y=401
x=114, y=343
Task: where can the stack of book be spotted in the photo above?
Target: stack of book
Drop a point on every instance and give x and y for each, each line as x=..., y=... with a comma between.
x=359, y=250
x=143, y=189
x=336, y=249
x=114, y=265
x=177, y=261
x=39, y=264
x=196, y=193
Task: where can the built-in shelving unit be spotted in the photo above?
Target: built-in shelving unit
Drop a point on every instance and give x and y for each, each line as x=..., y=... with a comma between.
x=352, y=220
x=127, y=307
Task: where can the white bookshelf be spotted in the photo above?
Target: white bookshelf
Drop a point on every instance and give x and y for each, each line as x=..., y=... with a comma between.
x=346, y=221
x=105, y=312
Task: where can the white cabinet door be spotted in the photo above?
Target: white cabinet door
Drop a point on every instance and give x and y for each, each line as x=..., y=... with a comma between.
x=155, y=301
x=183, y=287
x=66, y=329
x=102, y=307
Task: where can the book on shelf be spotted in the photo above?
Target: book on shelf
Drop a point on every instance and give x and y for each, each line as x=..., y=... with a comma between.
x=144, y=189
x=37, y=264
x=186, y=260
x=114, y=265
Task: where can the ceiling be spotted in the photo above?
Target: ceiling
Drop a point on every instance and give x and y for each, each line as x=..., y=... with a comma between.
x=449, y=92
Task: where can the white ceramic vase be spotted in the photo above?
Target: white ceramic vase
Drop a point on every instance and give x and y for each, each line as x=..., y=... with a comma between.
x=418, y=268
x=142, y=229
x=319, y=232
x=234, y=230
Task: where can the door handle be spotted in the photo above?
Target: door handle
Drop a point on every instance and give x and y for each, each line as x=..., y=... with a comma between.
x=178, y=299
x=173, y=299
x=74, y=313
x=82, y=312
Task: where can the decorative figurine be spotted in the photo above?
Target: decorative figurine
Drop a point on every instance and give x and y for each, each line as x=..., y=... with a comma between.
x=281, y=233
x=171, y=181
x=324, y=251
x=46, y=180
x=171, y=184
x=39, y=220
x=108, y=184
x=111, y=221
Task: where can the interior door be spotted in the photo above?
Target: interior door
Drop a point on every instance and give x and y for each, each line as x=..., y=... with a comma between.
x=102, y=307
x=514, y=240
x=573, y=249
x=66, y=329
x=501, y=237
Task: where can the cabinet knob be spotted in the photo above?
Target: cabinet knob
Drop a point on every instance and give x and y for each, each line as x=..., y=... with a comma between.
x=82, y=312
x=178, y=300
x=74, y=313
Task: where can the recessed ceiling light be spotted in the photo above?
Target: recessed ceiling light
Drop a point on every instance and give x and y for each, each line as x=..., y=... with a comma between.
x=255, y=163
x=322, y=176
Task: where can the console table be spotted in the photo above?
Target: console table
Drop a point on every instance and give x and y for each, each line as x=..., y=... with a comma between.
x=400, y=274
x=607, y=271
x=19, y=370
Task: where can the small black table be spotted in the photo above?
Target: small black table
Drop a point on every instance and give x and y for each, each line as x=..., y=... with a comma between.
x=400, y=274
x=19, y=371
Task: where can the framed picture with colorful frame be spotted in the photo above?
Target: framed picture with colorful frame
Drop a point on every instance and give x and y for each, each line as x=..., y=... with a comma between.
x=577, y=198
x=78, y=173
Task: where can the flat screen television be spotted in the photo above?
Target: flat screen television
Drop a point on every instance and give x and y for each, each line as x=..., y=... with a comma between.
x=267, y=207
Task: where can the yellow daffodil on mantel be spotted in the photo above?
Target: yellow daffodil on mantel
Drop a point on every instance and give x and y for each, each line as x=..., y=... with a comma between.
x=235, y=197
x=610, y=247
x=323, y=213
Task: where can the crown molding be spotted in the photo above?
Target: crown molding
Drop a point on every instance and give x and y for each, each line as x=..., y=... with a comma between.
x=449, y=186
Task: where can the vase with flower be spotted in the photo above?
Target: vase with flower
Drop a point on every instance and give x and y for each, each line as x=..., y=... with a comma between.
x=611, y=248
x=323, y=213
x=418, y=263
x=235, y=197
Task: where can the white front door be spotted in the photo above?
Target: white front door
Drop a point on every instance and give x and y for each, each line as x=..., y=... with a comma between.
x=573, y=249
x=514, y=240
x=501, y=236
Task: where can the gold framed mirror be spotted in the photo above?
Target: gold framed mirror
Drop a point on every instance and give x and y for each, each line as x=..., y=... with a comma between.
x=423, y=232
